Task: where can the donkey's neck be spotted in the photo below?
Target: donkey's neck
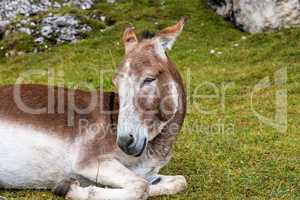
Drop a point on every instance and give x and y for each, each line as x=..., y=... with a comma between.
x=161, y=147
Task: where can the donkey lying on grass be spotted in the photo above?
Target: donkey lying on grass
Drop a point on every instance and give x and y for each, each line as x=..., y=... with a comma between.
x=39, y=149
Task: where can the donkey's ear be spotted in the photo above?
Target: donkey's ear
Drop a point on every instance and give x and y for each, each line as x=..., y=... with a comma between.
x=129, y=39
x=168, y=36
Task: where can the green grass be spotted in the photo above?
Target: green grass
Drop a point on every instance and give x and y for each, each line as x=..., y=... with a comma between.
x=250, y=160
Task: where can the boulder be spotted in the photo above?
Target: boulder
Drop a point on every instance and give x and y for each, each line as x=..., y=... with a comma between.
x=63, y=28
x=259, y=15
x=28, y=31
x=83, y=4
x=9, y=9
x=3, y=25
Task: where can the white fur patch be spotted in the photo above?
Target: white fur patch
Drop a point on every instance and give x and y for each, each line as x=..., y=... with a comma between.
x=160, y=50
x=31, y=159
x=129, y=121
x=175, y=95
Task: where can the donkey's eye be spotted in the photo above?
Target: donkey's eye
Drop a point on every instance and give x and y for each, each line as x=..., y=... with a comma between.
x=147, y=81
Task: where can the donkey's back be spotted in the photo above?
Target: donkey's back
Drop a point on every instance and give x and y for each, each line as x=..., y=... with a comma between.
x=40, y=132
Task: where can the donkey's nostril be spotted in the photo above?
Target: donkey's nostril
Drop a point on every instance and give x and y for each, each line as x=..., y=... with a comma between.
x=131, y=145
x=126, y=142
x=130, y=140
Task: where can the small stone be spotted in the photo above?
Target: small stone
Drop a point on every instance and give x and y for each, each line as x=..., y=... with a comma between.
x=28, y=31
x=244, y=38
x=236, y=45
x=46, y=2
x=83, y=4
x=12, y=53
x=24, y=22
x=21, y=53
x=46, y=31
x=39, y=40
x=3, y=26
x=7, y=32
x=103, y=18
x=56, y=5
x=85, y=29
x=212, y=51
x=220, y=53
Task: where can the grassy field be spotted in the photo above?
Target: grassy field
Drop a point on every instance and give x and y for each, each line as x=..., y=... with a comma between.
x=225, y=151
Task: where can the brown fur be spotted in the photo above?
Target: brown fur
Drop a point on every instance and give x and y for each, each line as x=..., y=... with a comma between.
x=144, y=59
x=55, y=123
x=99, y=148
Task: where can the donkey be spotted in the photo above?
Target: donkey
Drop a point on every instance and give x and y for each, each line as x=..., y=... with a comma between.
x=121, y=158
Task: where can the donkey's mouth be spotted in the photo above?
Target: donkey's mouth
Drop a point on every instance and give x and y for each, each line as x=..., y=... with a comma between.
x=131, y=148
x=142, y=150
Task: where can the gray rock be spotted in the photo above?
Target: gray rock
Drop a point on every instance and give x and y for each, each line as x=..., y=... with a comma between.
x=21, y=53
x=39, y=40
x=3, y=26
x=67, y=34
x=12, y=53
x=53, y=28
x=83, y=4
x=56, y=5
x=9, y=9
x=103, y=18
x=24, y=21
x=46, y=31
x=259, y=15
x=28, y=31
x=63, y=28
x=111, y=1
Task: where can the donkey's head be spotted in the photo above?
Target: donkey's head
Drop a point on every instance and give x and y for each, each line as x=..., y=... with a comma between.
x=150, y=89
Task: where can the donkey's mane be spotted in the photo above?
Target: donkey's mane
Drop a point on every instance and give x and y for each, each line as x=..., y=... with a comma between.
x=146, y=34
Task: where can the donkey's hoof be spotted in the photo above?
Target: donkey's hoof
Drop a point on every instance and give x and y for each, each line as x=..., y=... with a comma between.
x=63, y=187
x=181, y=184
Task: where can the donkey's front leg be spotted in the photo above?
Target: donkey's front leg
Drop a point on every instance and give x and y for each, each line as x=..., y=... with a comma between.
x=168, y=185
x=112, y=173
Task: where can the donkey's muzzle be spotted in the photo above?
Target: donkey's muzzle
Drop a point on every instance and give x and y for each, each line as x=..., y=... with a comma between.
x=131, y=146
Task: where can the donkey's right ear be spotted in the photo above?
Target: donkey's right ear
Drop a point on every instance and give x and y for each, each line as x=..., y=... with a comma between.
x=129, y=39
x=168, y=36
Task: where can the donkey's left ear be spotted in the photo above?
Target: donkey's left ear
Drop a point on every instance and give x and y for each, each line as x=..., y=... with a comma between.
x=168, y=36
x=129, y=39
